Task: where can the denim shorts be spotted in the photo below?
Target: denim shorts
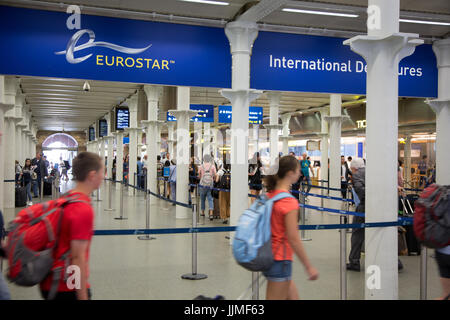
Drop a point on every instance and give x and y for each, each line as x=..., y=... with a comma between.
x=280, y=271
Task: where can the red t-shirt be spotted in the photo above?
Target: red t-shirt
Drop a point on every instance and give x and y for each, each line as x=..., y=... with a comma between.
x=281, y=248
x=77, y=224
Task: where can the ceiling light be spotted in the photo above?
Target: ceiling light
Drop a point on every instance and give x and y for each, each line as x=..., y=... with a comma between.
x=426, y=22
x=348, y=15
x=219, y=3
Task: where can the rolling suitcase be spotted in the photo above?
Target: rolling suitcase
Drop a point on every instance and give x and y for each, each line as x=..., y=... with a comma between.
x=20, y=197
x=216, y=212
x=47, y=188
x=411, y=240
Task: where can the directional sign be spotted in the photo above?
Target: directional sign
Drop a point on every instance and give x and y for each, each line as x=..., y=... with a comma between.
x=255, y=114
x=205, y=113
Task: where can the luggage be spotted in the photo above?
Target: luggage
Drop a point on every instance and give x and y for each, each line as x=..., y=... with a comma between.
x=432, y=217
x=216, y=211
x=47, y=188
x=402, y=245
x=412, y=243
x=21, y=197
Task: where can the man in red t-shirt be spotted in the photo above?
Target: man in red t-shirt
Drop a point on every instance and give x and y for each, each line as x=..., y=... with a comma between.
x=72, y=252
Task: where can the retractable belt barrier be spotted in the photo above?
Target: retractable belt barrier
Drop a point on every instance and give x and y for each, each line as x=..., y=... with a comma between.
x=400, y=222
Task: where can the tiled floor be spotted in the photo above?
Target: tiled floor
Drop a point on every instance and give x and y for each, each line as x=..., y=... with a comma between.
x=123, y=267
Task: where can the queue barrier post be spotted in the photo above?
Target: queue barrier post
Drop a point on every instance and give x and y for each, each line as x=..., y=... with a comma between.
x=109, y=197
x=121, y=202
x=343, y=257
x=255, y=285
x=303, y=216
x=194, y=275
x=423, y=273
x=147, y=217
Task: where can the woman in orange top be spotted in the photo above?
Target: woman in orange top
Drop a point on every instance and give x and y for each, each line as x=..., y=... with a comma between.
x=285, y=237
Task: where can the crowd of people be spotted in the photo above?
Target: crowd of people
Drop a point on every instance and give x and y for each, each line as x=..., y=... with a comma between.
x=34, y=172
x=213, y=175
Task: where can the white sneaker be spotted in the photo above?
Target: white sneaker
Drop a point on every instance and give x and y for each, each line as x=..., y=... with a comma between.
x=30, y=203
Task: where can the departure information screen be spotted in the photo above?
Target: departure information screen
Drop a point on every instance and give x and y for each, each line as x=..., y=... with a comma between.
x=122, y=118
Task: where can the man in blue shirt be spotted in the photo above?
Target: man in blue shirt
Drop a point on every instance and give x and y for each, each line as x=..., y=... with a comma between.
x=173, y=180
x=140, y=173
x=305, y=165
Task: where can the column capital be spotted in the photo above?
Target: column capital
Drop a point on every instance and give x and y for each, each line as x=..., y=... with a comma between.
x=286, y=117
x=130, y=130
x=399, y=45
x=152, y=92
x=241, y=35
x=273, y=126
x=441, y=49
x=330, y=119
x=233, y=95
x=274, y=98
x=117, y=133
x=438, y=104
x=132, y=102
x=148, y=123
x=183, y=113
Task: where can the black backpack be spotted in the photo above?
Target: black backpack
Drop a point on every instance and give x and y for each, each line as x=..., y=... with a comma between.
x=224, y=182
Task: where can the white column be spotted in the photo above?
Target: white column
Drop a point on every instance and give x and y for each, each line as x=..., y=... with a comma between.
x=183, y=114
x=382, y=49
x=132, y=165
x=335, y=118
x=9, y=142
x=170, y=137
x=132, y=146
x=198, y=150
x=153, y=94
x=241, y=36
x=324, y=146
x=441, y=106
x=285, y=118
x=7, y=102
x=110, y=155
x=158, y=139
x=207, y=139
x=214, y=143
x=119, y=155
x=274, y=127
x=407, y=158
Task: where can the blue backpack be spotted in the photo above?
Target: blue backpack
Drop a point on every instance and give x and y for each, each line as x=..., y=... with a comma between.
x=252, y=244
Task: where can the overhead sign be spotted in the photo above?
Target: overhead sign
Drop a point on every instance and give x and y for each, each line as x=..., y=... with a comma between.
x=115, y=49
x=295, y=62
x=205, y=113
x=112, y=49
x=122, y=118
x=103, y=128
x=91, y=133
x=255, y=114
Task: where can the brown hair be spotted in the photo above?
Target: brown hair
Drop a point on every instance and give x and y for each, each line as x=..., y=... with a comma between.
x=84, y=163
x=285, y=164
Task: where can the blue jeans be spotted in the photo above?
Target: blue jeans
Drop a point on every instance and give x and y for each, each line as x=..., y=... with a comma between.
x=35, y=188
x=280, y=271
x=173, y=190
x=203, y=194
x=308, y=182
x=4, y=291
x=28, y=189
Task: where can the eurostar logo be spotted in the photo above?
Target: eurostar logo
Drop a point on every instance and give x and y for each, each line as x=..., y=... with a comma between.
x=72, y=47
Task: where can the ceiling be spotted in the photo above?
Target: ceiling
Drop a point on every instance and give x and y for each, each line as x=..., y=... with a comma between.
x=58, y=104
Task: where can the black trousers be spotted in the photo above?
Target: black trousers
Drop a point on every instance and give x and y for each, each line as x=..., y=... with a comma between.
x=344, y=189
x=357, y=241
